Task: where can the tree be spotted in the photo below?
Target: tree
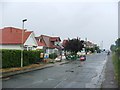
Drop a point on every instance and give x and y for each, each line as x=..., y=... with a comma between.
x=97, y=48
x=117, y=42
x=74, y=45
x=113, y=47
x=116, y=46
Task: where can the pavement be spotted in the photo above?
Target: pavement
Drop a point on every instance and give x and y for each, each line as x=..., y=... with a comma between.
x=109, y=79
x=11, y=73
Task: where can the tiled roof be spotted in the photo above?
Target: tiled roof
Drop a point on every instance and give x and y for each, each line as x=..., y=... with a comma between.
x=55, y=39
x=12, y=35
x=48, y=40
x=40, y=43
x=64, y=42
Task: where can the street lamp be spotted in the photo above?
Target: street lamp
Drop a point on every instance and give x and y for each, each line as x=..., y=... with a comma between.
x=22, y=41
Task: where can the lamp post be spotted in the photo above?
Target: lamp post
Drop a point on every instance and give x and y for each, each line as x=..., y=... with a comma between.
x=22, y=41
x=101, y=45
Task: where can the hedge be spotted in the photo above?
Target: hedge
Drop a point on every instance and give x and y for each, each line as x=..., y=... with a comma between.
x=52, y=55
x=116, y=63
x=12, y=58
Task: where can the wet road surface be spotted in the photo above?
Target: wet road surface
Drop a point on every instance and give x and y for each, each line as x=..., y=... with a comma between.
x=70, y=75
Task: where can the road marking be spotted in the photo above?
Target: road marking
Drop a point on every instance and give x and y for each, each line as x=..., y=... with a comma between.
x=59, y=83
x=51, y=79
x=38, y=82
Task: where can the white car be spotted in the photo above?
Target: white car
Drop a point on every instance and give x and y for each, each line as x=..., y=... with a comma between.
x=83, y=53
x=59, y=58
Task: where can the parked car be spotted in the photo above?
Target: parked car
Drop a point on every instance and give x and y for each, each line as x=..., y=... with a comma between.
x=59, y=58
x=82, y=57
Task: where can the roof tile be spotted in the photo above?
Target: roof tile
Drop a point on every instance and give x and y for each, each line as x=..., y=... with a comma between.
x=12, y=35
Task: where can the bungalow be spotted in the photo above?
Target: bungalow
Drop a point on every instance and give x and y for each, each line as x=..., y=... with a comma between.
x=15, y=38
x=49, y=44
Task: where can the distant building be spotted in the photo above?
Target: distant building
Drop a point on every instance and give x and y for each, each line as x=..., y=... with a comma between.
x=89, y=44
x=15, y=38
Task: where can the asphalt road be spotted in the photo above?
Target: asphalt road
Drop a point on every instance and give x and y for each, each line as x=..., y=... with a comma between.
x=71, y=75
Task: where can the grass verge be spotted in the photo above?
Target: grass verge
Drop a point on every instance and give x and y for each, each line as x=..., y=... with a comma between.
x=21, y=68
x=116, y=63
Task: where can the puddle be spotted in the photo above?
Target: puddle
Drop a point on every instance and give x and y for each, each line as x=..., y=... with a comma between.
x=6, y=78
x=69, y=71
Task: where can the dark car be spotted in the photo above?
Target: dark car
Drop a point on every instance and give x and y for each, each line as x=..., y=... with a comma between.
x=71, y=57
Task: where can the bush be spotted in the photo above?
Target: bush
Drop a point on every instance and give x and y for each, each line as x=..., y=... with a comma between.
x=12, y=58
x=52, y=56
x=31, y=57
x=117, y=51
x=116, y=63
x=90, y=49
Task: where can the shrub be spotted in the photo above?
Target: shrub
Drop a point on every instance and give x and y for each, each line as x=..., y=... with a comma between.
x=116, y=63
x=90, y=49
x=52, y=56
x=31, y=57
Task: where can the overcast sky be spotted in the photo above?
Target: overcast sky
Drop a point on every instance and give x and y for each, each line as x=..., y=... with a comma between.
x=96, y=20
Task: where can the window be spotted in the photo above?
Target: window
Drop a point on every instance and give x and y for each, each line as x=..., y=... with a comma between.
x=25, y=48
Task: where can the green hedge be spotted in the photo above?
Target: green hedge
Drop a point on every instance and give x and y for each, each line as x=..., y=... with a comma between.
x=116, y=63
x=12, y=58
x=52, y=56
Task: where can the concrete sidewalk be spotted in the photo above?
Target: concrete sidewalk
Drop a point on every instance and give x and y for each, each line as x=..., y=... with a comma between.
x=109, y=81
x=11, y=73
